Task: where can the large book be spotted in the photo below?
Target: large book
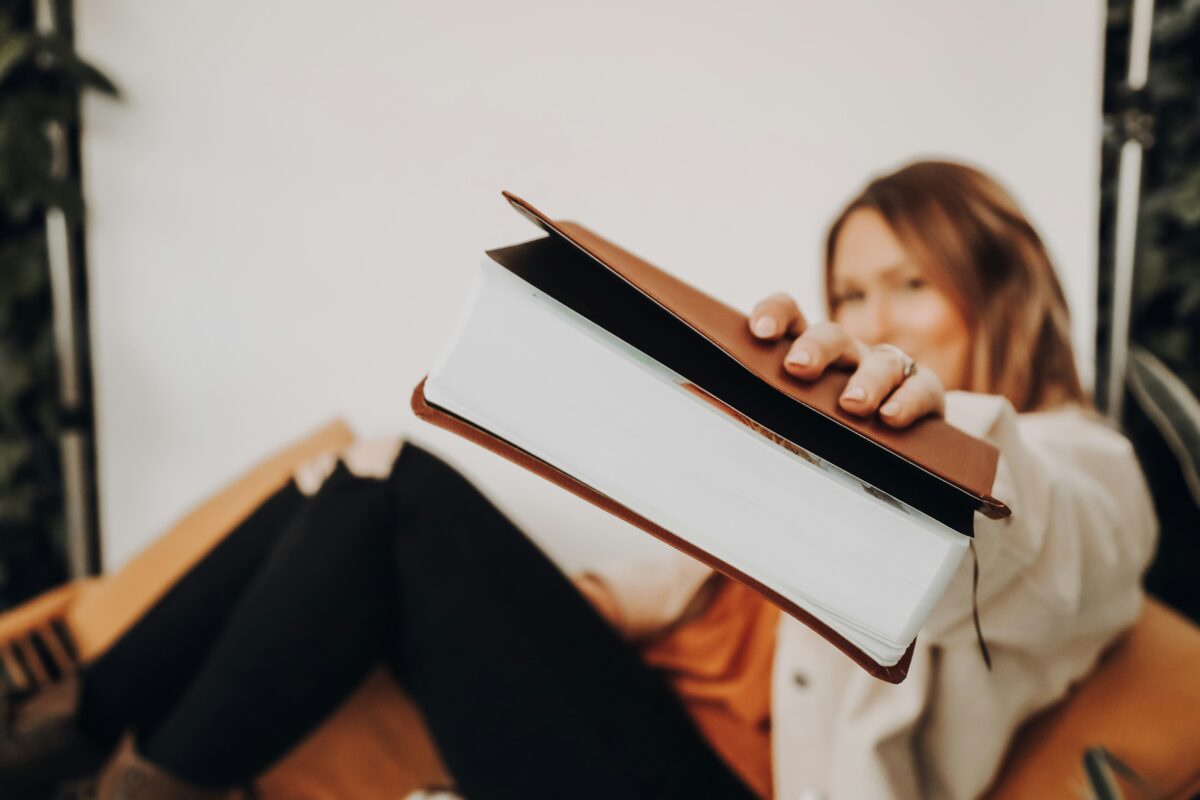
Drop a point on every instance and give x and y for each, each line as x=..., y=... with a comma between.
x=640, y=393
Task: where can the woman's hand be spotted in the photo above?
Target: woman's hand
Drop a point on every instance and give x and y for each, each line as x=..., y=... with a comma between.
x=878, y=382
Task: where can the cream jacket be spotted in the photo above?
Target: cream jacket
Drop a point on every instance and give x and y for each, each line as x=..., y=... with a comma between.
x=1059, y=580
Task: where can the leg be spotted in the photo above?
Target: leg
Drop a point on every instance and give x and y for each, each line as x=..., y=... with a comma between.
x=527, y=690
x=304, y=634
x=135, y=682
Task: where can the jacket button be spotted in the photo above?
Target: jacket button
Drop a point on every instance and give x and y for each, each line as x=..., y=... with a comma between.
x=800, y=679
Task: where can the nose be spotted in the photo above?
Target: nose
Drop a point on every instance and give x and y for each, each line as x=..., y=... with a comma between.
x=875, y=324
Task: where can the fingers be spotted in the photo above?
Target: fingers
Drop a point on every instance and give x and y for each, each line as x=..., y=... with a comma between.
x=878, y=384
x=821, y=345
x=921, y=394
x=878, y=373
x=775, y=316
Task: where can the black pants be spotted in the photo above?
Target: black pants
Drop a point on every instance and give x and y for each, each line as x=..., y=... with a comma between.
x=527, y=691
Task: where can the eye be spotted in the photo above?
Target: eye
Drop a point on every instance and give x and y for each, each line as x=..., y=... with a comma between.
x=915, y=283
x=851, y=296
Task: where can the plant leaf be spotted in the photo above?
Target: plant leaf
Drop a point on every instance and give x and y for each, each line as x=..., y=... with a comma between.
x=15, y=51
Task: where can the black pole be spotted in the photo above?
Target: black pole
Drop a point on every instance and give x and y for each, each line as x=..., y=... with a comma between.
x=78, y=410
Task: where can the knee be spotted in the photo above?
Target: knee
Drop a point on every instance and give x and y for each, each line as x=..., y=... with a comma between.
x=422, y=480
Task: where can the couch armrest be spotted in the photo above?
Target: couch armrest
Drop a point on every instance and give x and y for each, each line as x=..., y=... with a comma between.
x=1142, y=703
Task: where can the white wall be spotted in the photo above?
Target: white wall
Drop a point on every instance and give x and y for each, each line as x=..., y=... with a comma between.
x=288, y=203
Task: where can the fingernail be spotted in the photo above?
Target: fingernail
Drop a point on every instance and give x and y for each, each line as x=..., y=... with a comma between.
x=800, y=358
x=764, y=326
x=889, y=408
x=857, y=393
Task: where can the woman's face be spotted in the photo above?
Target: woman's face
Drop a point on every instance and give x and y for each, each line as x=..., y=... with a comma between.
x=881, y=295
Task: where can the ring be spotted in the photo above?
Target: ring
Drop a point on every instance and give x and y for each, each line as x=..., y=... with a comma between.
x=910, y=366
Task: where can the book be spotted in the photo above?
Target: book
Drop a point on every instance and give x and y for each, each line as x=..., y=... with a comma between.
x=651, y=399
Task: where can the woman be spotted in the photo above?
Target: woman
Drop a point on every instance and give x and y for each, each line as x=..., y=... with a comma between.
x=684, y=684
x=938, y=260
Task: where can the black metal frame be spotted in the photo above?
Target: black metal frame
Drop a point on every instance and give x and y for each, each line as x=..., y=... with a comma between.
x=1129, y=128
x=78, y=417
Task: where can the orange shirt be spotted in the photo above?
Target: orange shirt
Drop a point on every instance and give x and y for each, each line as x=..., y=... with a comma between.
x=720, y=665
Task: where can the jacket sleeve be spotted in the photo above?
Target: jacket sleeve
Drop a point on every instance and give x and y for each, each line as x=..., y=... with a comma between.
x=1069, y=561
x=650, y=591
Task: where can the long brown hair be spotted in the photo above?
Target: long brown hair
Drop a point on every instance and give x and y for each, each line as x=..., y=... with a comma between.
x=978, y=248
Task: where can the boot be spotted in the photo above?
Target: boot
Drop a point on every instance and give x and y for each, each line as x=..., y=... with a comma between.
x=41, y=743
x=129, y=776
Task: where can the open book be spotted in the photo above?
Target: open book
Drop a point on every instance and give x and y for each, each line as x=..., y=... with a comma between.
x=653, y=400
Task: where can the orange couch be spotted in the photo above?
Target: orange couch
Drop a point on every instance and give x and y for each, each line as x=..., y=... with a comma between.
x=1142, y=703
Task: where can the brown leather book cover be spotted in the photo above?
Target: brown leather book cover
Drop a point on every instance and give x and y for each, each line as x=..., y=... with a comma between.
x=935, y=451
x=931, y=443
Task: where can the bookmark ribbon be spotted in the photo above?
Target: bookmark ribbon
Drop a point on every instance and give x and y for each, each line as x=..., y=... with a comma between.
x=983, y=648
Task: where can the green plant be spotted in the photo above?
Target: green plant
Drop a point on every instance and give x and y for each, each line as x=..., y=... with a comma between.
x=1166, y=299
x=41, y=78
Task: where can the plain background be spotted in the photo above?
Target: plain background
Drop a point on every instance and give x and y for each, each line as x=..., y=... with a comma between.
x=290, y=199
